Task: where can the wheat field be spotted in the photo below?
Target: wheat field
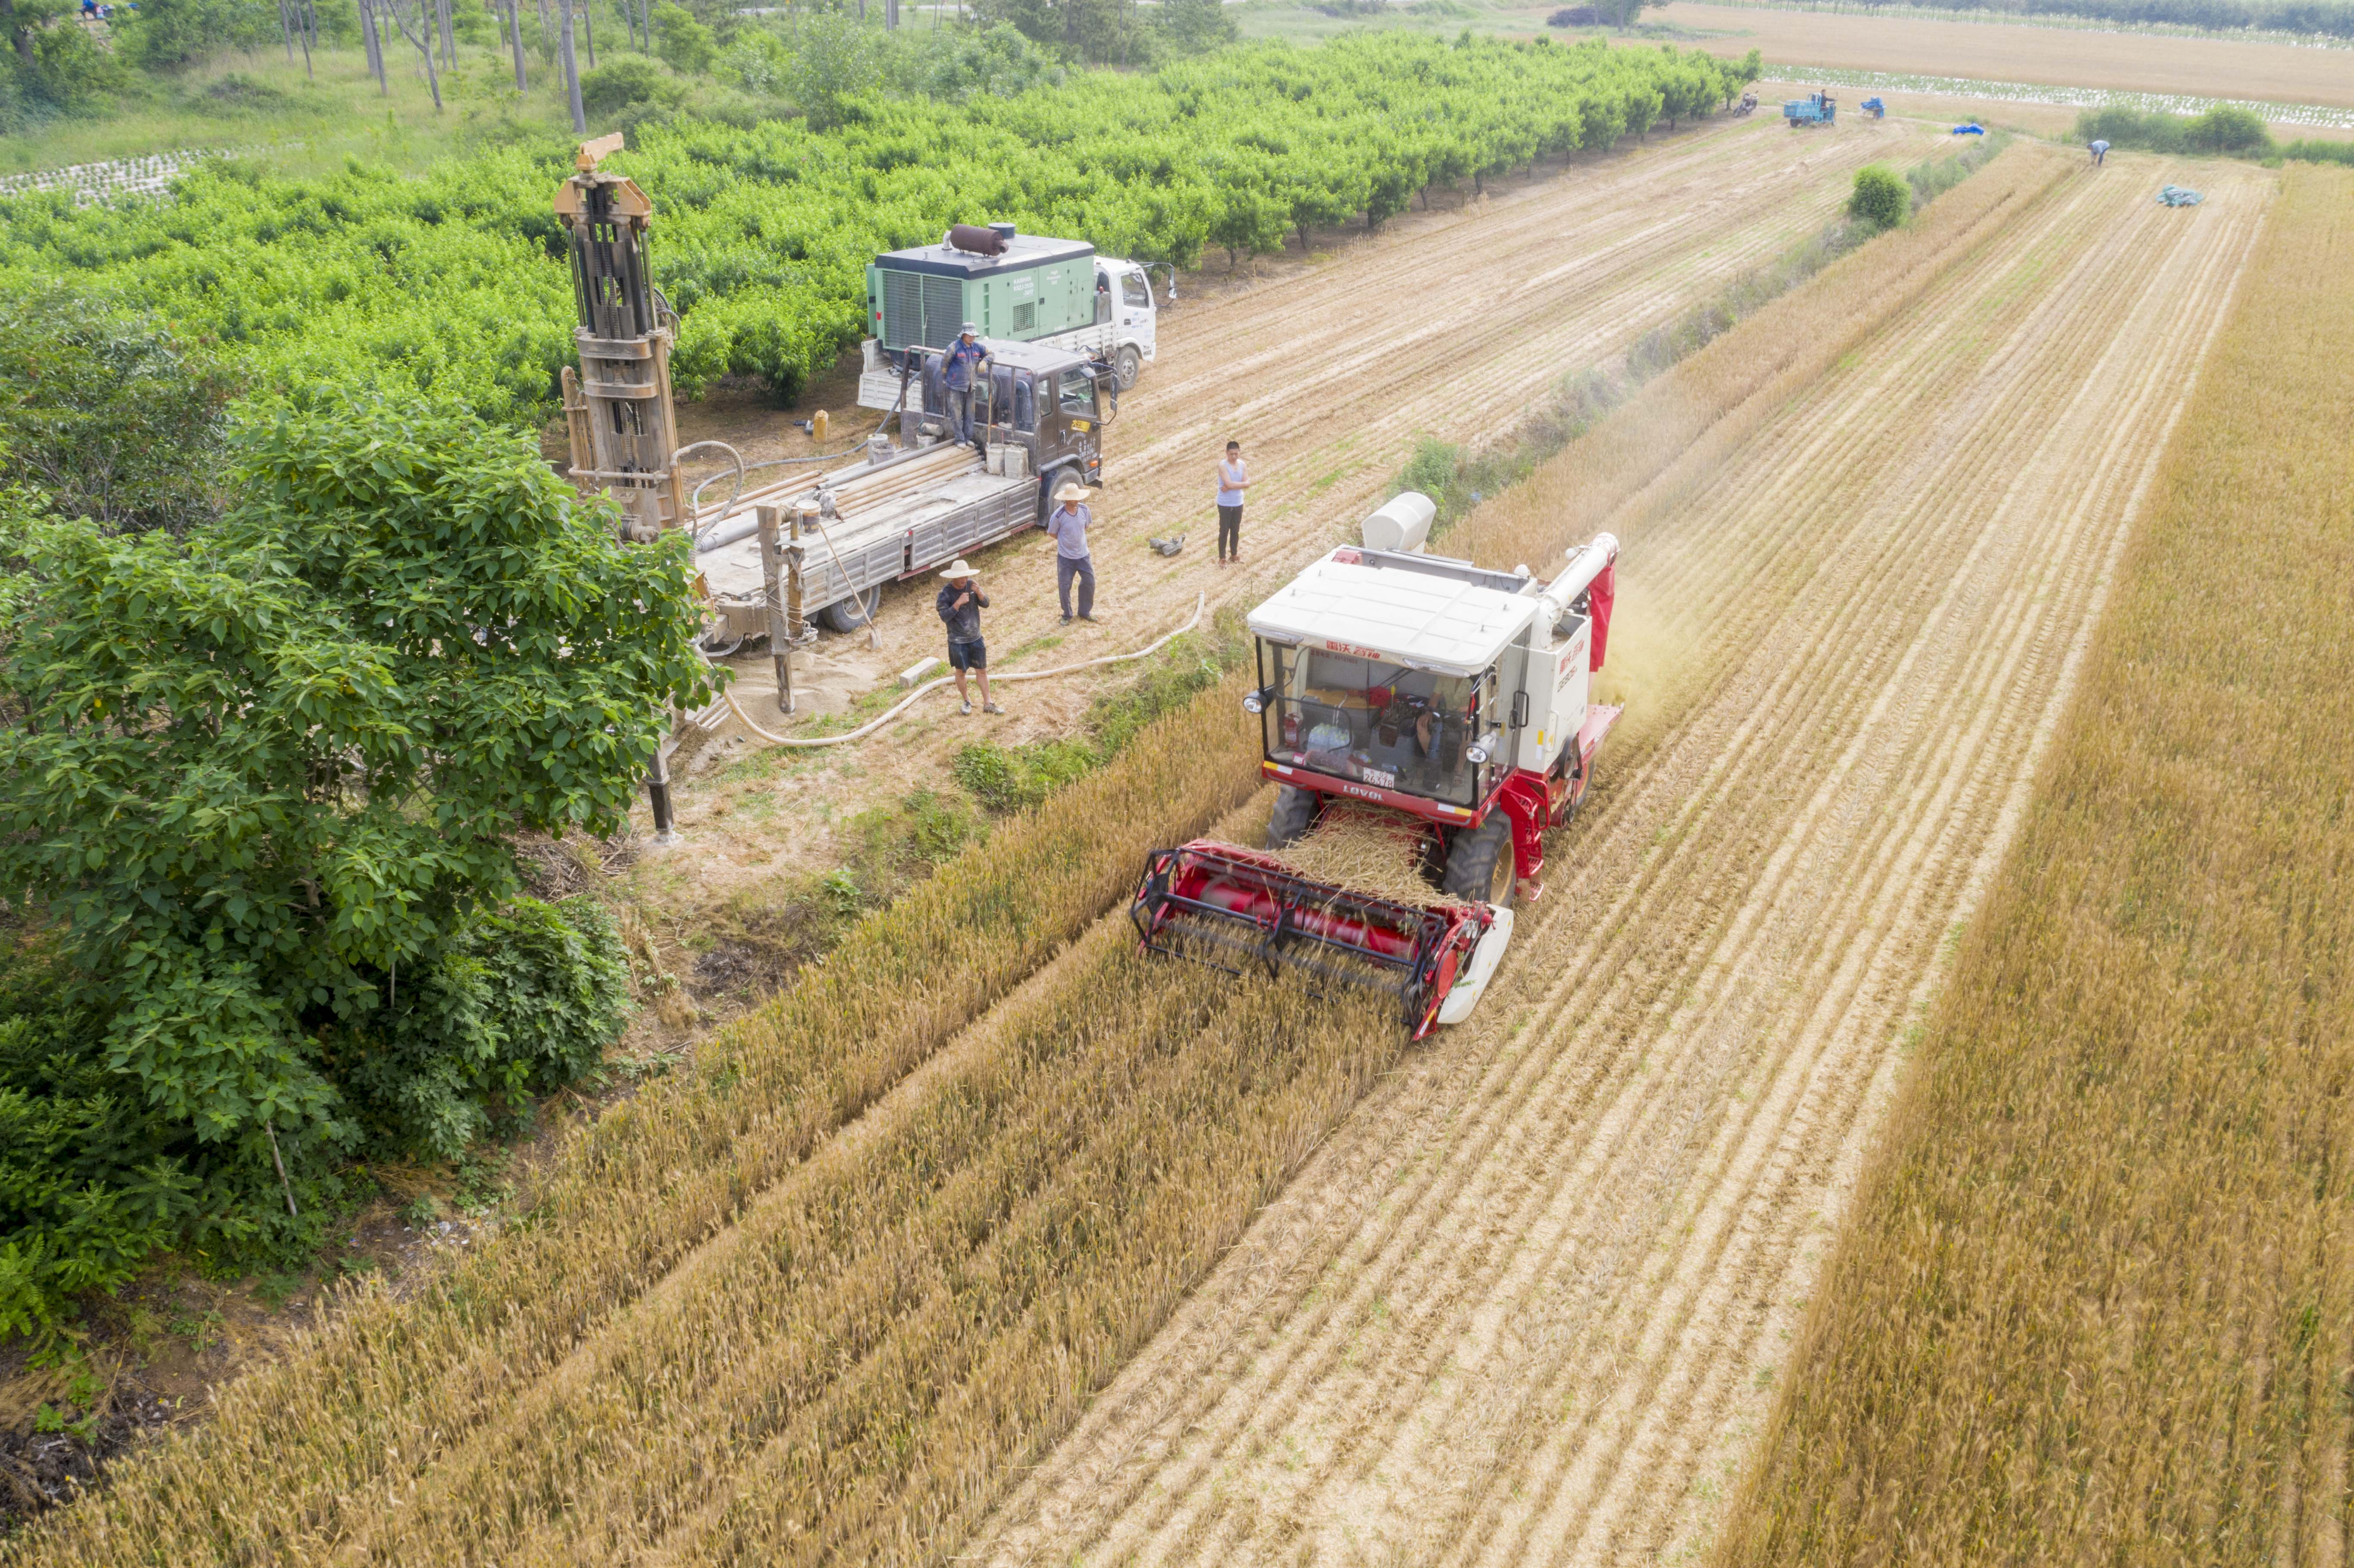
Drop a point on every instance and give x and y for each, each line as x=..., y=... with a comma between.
x=828, y=1297
x=2096, y=1304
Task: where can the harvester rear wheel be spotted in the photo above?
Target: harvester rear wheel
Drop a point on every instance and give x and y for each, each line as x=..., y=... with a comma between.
x=1294, y=814
x=1480, y=865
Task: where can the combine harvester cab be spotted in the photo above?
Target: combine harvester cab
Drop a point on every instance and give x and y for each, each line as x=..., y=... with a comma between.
x=1448, y=698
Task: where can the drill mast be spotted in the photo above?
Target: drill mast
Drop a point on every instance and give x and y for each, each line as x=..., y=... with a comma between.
x=623, y=425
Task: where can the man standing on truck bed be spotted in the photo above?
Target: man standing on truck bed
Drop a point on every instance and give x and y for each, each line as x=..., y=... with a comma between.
x=1067, y=525
x=960, y=603
x=964, y=360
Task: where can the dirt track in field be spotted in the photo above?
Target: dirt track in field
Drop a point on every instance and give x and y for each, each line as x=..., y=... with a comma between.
x=1530, y=1302
x=1451, y=326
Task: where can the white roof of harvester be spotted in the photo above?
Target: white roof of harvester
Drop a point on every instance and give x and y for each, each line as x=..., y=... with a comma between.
x=1424, y=611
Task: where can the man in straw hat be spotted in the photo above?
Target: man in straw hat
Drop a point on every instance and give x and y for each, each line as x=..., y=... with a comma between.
x=1067, y=525
x=960, y=604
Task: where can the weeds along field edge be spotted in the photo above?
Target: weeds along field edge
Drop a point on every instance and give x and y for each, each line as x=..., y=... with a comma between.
x=2098, y=1298
x=302, y=1458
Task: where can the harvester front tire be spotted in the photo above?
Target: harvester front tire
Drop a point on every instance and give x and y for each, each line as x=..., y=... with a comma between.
x=1480, y=866
x=1294, y=814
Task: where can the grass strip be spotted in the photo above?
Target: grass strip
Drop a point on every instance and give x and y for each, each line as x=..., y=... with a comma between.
x=2096, y=1301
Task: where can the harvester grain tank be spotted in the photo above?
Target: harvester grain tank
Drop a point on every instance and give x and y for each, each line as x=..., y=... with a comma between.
x=1815, y=109
x=1452, y=697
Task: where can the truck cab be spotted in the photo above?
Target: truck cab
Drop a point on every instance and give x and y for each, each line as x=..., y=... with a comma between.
x=1049, y=402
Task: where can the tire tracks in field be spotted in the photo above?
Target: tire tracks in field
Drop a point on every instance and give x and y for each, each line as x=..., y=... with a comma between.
x=1526, y=1304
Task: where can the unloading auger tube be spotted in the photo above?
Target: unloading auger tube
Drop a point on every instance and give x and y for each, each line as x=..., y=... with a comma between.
x=1450, y=695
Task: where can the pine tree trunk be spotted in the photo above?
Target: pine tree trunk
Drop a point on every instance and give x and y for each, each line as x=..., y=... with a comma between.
x=588, y=31
x=375, y=42
x=449, y=36
x=514, y=32
x=571, y=68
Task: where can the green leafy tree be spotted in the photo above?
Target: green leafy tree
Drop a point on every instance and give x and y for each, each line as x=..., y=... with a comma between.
x=1197, y=26
x=1880, y=198
x=49, y=69
x=685, y=44
x=835, y=58
x=110, y=411
x=265, y=770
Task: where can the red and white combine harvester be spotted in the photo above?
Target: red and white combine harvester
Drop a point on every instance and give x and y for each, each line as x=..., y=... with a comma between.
x=1451, y=695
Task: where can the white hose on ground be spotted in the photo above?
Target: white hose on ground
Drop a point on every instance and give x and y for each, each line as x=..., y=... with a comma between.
x=870, y=726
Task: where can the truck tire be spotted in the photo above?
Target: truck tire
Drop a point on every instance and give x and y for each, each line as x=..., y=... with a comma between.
x=1479, y=864
x=1126, y=366
x=1294, y=814
x=1046, y=484
x=848, y=615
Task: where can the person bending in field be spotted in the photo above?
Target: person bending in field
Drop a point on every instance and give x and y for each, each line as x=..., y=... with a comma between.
x=1233, y=480
x=2100, y=150
x=960, y=603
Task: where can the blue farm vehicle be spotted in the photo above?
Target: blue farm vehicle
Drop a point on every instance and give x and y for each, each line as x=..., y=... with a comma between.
x=1815, y=109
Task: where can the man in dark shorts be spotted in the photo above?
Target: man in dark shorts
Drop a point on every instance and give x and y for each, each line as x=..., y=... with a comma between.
x=960, y=604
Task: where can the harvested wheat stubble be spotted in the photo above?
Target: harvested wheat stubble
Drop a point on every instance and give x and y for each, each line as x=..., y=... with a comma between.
x=2097, y=1301
x=1529, y=1303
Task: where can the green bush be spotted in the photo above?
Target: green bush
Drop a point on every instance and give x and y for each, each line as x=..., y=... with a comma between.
x=110, y=411
x=1880, y=197
x=2222, y=129
x=524, y=1002
x=1008, y=778
x=2227, y=129
x=90, y=1181
x=629, y=80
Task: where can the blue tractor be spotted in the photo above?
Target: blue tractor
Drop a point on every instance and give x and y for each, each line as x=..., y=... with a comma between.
x=1815, y=109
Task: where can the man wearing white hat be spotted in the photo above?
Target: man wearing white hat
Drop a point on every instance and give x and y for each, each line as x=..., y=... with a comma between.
x=1067, y=525
x=960, y=604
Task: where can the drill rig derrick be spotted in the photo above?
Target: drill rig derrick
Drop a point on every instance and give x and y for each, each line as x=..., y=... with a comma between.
x=623, y=425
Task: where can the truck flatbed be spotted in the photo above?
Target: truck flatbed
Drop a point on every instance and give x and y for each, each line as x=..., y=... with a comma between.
x=905, y=511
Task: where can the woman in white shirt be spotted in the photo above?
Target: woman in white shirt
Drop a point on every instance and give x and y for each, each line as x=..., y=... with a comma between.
x=1232, y=480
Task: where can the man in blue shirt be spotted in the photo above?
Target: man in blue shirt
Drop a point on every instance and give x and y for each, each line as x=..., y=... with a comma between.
x=1067, y=525
x=965, y=360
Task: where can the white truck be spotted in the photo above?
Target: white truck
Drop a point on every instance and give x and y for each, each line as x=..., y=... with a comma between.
x=1015, y=287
